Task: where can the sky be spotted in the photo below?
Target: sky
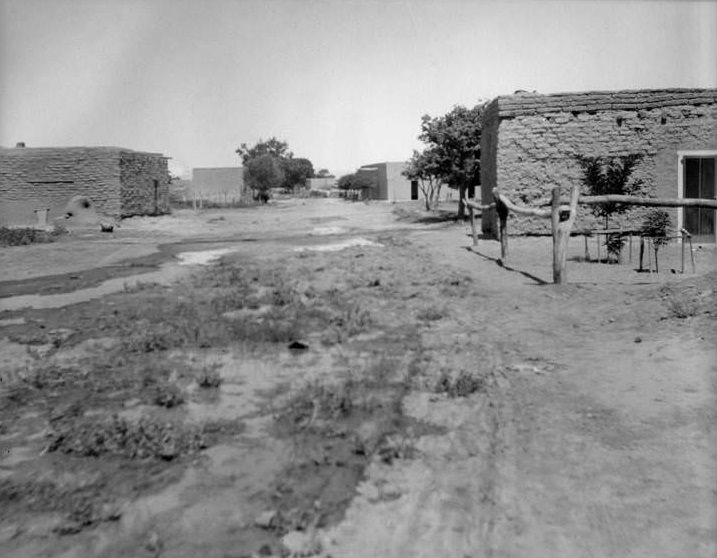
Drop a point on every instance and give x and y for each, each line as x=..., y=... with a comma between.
x=344, y=82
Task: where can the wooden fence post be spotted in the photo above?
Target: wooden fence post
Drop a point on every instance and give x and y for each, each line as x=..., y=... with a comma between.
x=502, y=210
x=472, y=213
x=561, y=233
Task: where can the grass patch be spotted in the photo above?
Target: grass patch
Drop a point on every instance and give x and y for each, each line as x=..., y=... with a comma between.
x=28, y=235
x=147, y=438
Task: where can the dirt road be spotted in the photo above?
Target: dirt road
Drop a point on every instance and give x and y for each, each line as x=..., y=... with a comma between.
x=591, y=429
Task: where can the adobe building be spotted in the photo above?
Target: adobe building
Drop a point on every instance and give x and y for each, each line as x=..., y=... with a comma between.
x=219, y=184
x=390, y=184
x=118, y=182
x=530, y=143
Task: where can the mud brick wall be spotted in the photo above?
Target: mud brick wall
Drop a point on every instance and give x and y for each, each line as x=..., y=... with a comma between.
x=47, y=178
x=139, y=173
x=530, y=143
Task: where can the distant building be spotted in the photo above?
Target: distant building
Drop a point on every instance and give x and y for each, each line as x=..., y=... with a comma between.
x=118, y=182
x=530, y=143
x=321, y=183
x=219, y=184
x=389, y=183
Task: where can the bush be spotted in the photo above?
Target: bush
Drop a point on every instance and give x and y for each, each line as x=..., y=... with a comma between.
x=656, y=225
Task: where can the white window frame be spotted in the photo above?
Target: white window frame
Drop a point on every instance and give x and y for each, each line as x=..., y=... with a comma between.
x=681, y=177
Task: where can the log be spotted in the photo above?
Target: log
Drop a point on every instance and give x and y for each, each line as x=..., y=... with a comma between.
x=561, y=233
x=475, y=205
x=649, y=202
x=520, y=209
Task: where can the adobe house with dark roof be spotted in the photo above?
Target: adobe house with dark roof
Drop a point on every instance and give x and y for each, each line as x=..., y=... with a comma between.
x=119, y=182
x=530, y=143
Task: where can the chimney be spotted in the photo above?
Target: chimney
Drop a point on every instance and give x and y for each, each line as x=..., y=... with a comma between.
x=20, y=144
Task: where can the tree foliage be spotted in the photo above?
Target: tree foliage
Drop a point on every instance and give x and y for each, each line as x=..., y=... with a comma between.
x=454, y=141
x=270, y=164
x=296, y=172
x=264, y=173
x=272, y=146
x=424, y=167
x=324, y=173
x=610, y=175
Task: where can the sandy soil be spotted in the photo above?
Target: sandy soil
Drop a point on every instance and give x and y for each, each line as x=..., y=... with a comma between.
x=594, y=432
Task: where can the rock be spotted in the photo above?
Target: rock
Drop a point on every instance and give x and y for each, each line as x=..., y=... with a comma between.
x=266, y=520
x=300, y=543
x=638, y=339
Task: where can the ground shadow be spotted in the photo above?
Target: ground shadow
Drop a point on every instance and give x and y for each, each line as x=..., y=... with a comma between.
x=502, y=264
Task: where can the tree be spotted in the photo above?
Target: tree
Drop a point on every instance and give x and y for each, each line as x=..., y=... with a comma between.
x=262, y=176
x=324, y=173
x=272, y=146
x=610, y=175
x=296, y=172
x=454, y=140
x=264, y=173
x=425, y=169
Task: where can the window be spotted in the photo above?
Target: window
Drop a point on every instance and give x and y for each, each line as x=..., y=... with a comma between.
x=696, y=179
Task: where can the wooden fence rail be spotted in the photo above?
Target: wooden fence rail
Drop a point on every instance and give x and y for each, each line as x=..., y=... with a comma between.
x=563, y=217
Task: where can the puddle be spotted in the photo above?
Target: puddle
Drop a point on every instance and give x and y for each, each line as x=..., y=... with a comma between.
x=325, y=231
x=336, y=246
x=12, y=321
x=203, y=257
x=168, y=273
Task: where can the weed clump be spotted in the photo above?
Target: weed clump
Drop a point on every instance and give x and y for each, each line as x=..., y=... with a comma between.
x=28, y=235
x=209, y=378
x=463, y=385
x=148, y=438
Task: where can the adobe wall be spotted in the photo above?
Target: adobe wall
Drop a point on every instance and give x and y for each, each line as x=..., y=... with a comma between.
x=216, y=183
x=39, y=178
x=530, y=143
x=398, y=186
x=138, y=173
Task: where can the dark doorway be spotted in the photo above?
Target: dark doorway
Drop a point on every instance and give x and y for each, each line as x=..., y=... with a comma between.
x=156, y=197
x=414, y=189
x=699, y=182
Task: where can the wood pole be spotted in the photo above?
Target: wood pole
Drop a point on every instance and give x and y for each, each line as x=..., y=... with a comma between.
x=502, y=210
x=642, y=251
x=692, y=255
x=587, y=252
x=561, y=233
x=683, y=253
x=472, y=213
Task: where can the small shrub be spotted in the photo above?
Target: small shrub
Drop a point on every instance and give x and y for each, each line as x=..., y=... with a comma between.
x=614, y=244
x=209, y=378
x=430, y=314
x=167, y=395
x=656, y=225
x=462, y=385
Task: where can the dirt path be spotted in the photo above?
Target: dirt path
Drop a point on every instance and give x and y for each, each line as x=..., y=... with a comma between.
x=599, y=437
